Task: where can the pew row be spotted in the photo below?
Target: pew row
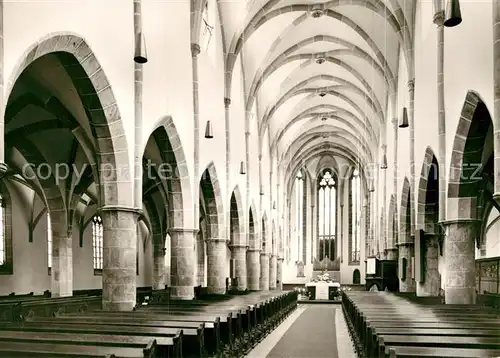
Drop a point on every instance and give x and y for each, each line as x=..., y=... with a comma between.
x=384, y=325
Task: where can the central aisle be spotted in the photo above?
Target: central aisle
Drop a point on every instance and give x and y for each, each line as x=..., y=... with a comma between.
x=312, y=335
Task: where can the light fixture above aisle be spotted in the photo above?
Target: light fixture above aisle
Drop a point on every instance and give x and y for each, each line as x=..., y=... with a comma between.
x=274, y=205
x=383, y=165
x=403, y=123
x=243, y=169
x=209, y=132
x=140, y=55
x=453, y=15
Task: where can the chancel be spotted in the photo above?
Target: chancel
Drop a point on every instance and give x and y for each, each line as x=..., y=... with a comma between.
x=269, y=178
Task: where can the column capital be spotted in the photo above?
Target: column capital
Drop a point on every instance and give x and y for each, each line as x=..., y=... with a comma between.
x=383, y=147
x=459, y=221
x=238, y=246
x=395, y=123
x=438, y=18
x=216, y=239
x=281, y=259
x=195, y=49
x=121, y=208
x=264, y=254
x=227, y=102
x=411, y=85
x=254, y=250
x=247, y=133
x=181, y=230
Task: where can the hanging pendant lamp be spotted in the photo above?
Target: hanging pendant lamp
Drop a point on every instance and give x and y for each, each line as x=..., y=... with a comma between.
x=140, y=54
x=274, y=205
x=453, y=15
x=242, y=168
x=261, y=192
x=209, y=132
x=403, y=123
x=384, y=162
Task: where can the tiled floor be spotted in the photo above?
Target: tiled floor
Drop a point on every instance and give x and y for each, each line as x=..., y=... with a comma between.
x=305, y=334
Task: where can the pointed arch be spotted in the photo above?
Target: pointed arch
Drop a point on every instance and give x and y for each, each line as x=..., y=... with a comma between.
x=237, y=230
x=264, y=229
x=392, y=222
x=210, y=189
x=428, y=194
x=405, y=212
x=468, y=161
x=176, y=172
x=253, y=226
x=100, y=105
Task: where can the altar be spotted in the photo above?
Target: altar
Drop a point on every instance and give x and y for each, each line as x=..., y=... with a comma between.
x=323, y=290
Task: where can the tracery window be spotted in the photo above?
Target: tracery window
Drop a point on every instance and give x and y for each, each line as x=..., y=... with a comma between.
x=97, y=241
x=327, y=216
x=300, y=216
x=355, y=217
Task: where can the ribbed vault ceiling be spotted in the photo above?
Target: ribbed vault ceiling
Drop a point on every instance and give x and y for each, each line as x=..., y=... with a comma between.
x=321, y=72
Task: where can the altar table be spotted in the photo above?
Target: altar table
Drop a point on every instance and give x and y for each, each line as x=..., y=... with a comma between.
x=323, y=290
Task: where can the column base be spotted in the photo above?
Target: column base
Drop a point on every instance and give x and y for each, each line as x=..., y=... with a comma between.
x=406, y=250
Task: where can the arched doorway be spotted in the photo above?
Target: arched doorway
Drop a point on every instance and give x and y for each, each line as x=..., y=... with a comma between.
x=356, y=277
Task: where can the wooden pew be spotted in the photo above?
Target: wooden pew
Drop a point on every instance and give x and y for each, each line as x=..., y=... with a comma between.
x=164, y=347
x=54, y=350
x=419, y=352
x=379, y=322
x=191, y=344
x=212, y=342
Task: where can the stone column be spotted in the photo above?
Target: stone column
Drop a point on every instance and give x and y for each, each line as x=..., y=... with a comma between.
x=239, y=254
x=406, y=250
x=460, y=265
x=159, y=267
x=264, y=271
x=216, y=265
x=195, y=51
x=496, y=92
x=439, y=20
x=411, y=121
x=119, y=272
x=200, y=260
x=279, y=273
x=62, y=254
x=272, y=271
x=432, y=281
x=183, y=261
x=393, y=245
x=253, y=269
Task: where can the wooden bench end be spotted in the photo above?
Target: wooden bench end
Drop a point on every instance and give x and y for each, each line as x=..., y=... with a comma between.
x=150, y=350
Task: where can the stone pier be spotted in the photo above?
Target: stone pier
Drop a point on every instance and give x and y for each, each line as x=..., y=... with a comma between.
x=119, y=272
x=279, y=274
x=406, y=252
x=432, y=281
x=239, y=255
x=264, y=271
x=253, y=269
x=159, y=266
x=183, y=261
x=460, y=251
x=216, y=265
x=273, y=263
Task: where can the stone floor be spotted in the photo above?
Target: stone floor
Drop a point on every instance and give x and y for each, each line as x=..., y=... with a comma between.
x=312, y=331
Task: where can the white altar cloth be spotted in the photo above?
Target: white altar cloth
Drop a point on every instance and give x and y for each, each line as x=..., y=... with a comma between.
x=322, y=288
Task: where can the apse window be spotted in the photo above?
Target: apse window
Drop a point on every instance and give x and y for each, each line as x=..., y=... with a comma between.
x=327, y=218
x=299, y=215
x=2, y=231
x=97, y=242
